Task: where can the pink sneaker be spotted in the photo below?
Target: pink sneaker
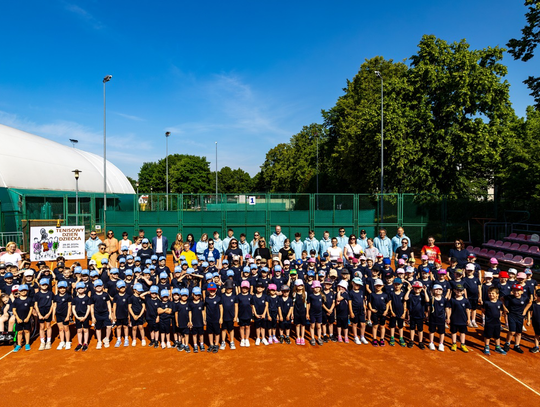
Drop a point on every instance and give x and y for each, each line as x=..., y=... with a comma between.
x=276, y=340
x=339, y=338
x=346, y=339
x=303, y=341
x=298, y=341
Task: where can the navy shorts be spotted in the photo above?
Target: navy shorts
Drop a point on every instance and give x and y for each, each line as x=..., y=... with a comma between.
x=437, y=328
x=342, y=322
x=328, y=319
x=271, y=324
x=461, y=328
x=378, y=319
x=102, y=323
x=359, y=317
x=152, y=325
x=82, y=324
x=315, y=319
x=259, y=323
x=285, y=325
x=227, y=325
x=300, y=319
x=122, y=322
x=396, y=321
x=536, y=328
x=474, y=303
x=61, y=319
x=137, y=322
x=244, y=322
x=417, y=323
x=492, y=331
x=212, y=328
x=24, y=326
x=164, y=327
x=49, y=319
x=515, y=324
x=197, y=330
x=182, y=330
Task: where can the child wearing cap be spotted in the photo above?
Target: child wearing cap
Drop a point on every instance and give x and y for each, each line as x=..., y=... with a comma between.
x=515, y=307
x=379, y=305
x=43, y=305
x=229, y=302
x=272, y=314
x=342, y=311
x=245, y=312
x=535, y=318
x=357, y=310
x=196, y=319
x=398, y=311
x=437, y=317
x=181, y=319
x=492, y=309
x=151, y=301
x=473, y=291
x=213, y=317
x=62, y=311
x=299, y=314
x=121, y=314
x=163, y=319
x=315, y=311
x=81, y=309
x=285, y=312
x=102, y=314
x=329, y=315
x=22, y=310
x=177, y=337
x=417, y=299
x=137, y=309
x=259, y=303
x=458, y=316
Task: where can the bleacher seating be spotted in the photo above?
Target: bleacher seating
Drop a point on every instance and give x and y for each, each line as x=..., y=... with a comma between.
x=528, y=262
x=516, y=249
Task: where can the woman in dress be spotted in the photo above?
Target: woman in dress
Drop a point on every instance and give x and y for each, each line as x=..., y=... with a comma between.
x=112, y=248
x=177, y=248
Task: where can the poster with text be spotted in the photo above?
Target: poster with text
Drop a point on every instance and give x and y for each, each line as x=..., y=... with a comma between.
x=49, y=242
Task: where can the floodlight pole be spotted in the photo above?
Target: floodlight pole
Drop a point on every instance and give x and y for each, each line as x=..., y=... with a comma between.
x=77, y=173
x=216, y=177
x=167, y=134
x=105, y=80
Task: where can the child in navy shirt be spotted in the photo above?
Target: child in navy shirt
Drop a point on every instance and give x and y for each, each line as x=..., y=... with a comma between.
x=164, y=318
x=137, y=308
x=121, y=313
x=272, y=314
x=458, y=315
x=299, y=315
x=516, y=307
x=245, y=312
x=213, y=316
x=196, y=319
x=473, y=290
x=230, y=314
x=328, y=318
x=535, y=317
x=285, y=311
x=22, y=309
x=315, y=311
x=81, y=311
x=181, y=319
x=101, y=312
x=44, y=308
x=416, y=299
x=151, y=305
x=260, y=308
x=62, y=310
x=437, y=317
x=379, y=305
x=398, y=310
x=357, y=310
x=492, y=308
x=342, y=311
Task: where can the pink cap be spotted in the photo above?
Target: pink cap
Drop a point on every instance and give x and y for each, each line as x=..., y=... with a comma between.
x=493, y=260
x=353, y=261
x=522, y=275
x=424, y=257
x=244, y=284
x=401, y=261
x=286, y=262
x=316, y=284
x=469, y=266
x=272, y=287
x=442, y=271
x=311, y=260
x=400, y=271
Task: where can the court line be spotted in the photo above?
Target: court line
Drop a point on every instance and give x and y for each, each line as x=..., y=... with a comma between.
x=505, y=372
x=6, y=355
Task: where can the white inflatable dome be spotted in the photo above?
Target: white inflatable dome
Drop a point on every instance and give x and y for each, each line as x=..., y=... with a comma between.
x=28, y=161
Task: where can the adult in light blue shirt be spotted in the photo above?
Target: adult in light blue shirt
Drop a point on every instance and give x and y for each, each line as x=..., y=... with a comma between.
x=311, y=243
x=227, y=240
x=297, y=245
x=398, y=238
x=342, y=239
x=244, y=245
x=325, y=242
x=277, y=240
x=92, y=244
x=383, y=244
x=218, y=244
x=362, y=240
x=201, y=245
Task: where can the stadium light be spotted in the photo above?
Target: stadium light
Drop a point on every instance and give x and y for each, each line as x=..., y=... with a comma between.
x=77, y=174
x=105, y=80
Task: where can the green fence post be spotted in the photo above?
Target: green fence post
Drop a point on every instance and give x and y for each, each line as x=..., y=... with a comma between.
x=356, y=209
x=312, y=209
x=268, y=220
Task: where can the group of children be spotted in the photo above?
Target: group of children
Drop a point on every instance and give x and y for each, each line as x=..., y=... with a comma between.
x=180, y=307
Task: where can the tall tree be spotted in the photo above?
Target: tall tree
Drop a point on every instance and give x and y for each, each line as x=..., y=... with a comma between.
x=232, y=181
x=524, y=47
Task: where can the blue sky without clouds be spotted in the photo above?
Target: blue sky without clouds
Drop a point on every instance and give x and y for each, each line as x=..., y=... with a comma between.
x=246, y=74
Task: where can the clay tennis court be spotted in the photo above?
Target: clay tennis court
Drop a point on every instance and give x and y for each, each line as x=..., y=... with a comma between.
x=334, y=374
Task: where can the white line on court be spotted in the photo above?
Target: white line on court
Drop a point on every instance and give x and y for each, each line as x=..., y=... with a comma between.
x=505, y=372
x=12, y=352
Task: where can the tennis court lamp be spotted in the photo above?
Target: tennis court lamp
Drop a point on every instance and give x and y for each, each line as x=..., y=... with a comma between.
x=77, y=174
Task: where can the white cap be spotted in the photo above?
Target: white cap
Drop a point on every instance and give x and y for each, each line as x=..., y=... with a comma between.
x=488, y=274
x=298, y=282
x=28, y=273
x=512, y=270
x=470, y=266
x=378, y=281
x=343, y=284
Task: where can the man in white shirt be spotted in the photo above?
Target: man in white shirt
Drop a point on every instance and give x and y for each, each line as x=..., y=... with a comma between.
x=160, y=244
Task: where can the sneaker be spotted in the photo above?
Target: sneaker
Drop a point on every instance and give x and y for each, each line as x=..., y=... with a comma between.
x=281, y=339
x=210, y=349
x=163, y=346
x=61, y=346
x=506, y=347
x=422, y=346
x=156, y=344
x=68, y=345
x=339, y=339
x=241, y=343
x=441, y=347
x=151, y=343
x=346, y=339
x=302, y=341
x=133, y=342
x=402, y=342
x=106, y=343
x=117, y=344
x=381, y=342
x=47, y=346
x=202, y=347
x=246, y=343
x=143, y=342
x=126, y=342
x=431, y=346
x=195, y=349
x=410, y=344
x=186, y=347
x=2, y=337
x=257, y=341
x=298, y=341
x=486, y=351
x=17, y=348
x=312, y=342
x=276, y=340
x=215, y=349
x=470, y=325
x=27, y=347
x=287, y=340
x=453, y=348
x=464, y=348
x=474, y=324
x=78, y=347
x=232, y=346
x=357, y=340
x=180, y=348
x=333, y=338
x=98, y=346
x=364, y=340
x=534, y=350
x=518, y=349
x=169, y=346
x=264, y=341
x=392, y=342
x=375, y=343
x=326, y=339
x=320, y=342
x=42, y=346
x=222, y=346
x=85, y=347
x=369, y=323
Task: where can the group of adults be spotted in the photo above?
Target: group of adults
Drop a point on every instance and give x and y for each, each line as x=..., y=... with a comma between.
x=343, y=246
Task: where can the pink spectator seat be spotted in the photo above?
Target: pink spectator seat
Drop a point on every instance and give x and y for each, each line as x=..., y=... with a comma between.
x=498, y=243
x=517, y=259
x=506, y=245
x=514, y=247
x=534, y=250
x=508, y=257
x=521, y=236
x=470, y=248
x=491, y=242
x=511, y=236
x=528, y=262
x=499, y=255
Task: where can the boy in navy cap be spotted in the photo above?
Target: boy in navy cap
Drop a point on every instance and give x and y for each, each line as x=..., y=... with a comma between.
x=81, y=311
x=181, y=316
x=458, y=316
x=151, y=303
x=101, y=312
x=44, y=309
x=398, y=310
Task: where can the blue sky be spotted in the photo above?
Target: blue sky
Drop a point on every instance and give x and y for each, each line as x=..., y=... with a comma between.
x=245, y=74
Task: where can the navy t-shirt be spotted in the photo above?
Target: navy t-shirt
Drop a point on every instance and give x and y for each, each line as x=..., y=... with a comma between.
x=379, y=301
x=299, y=305
x=472, y=286
x=397, y=301
x=285, y=304
x=273, y=304
x=492, y=311
x=136, y=304
x=437, y=311
x=151, y=307
x=244, y=306
x=342, y=307
x=416, y=304
x=459, y=310
x=504, y=290
x=229, y=302
x=196, y=310
x=259, y=303
x=164, y=317
x=23, y=307
x=357, y=300
x=44, y=301
x=62, y=303
x=211, y=304
x=100, y=302
x=182, y=313
x=315, y=302
x=535, y=307
x=330, y=297
x=81, y=305
x=121, y=302
x=515, y=306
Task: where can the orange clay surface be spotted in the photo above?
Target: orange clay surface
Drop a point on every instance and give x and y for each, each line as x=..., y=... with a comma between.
x=334, y=374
